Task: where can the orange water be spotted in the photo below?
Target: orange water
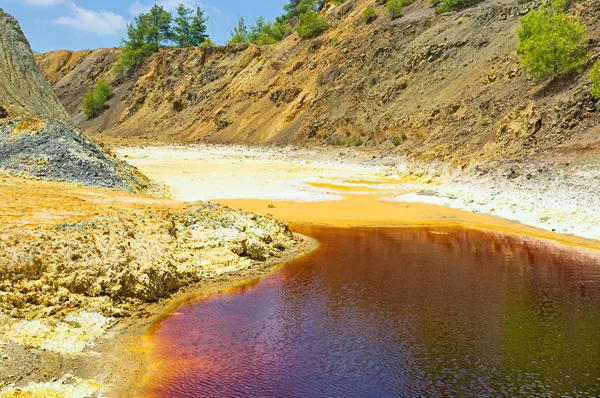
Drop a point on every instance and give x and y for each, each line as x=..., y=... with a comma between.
x=395, y=312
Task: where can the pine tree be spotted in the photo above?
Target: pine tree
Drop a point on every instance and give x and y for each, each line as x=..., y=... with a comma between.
x=594, y=77
x=551, y=43
x=240, y=33
x=94, y=101
x=295, y=8
x=182, y=28
x=145, y=36
x=159, y=26
x=208, y=43
x=256, y=30
x=190, y=28
x=198, y=28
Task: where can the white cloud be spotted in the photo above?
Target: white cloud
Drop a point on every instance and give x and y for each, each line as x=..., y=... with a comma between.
x=43, y=2
x=101, y=23
x=137, y=7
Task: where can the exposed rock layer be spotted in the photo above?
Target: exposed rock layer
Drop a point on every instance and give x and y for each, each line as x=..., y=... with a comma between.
x=108, y=262
x=23, y=88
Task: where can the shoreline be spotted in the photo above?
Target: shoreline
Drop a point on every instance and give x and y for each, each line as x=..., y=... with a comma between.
x=136, y=333
x=115, y=363
x=125, y=251
x=553, y=195
x=395, y=214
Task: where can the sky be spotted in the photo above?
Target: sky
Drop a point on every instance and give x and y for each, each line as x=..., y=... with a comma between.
x=88, y=24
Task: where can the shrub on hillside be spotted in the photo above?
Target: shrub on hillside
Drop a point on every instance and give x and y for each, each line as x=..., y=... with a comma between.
x=369, y=15
x=594, y=77
x=95, y=100
x=311, y=25
x=394, y=7
x=451, y=5
x=551, y=43
x=208, y=43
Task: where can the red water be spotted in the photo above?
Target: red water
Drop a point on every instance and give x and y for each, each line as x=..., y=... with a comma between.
x=395, y=312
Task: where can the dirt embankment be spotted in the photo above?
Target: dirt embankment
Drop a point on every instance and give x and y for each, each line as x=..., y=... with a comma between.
x=419, y=85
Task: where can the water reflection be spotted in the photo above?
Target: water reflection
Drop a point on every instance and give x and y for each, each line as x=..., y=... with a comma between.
x=396, y=312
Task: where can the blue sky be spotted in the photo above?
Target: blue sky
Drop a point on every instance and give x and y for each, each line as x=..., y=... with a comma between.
x=87, y=24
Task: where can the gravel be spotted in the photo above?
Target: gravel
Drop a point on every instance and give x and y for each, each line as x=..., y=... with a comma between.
x=51, y=149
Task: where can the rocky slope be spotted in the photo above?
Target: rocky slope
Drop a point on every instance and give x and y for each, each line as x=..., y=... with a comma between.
x=22, y=86
x=420, y=85
x=36, y=136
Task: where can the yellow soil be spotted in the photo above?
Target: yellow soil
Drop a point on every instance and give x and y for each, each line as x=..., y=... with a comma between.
x=374, y=186
x=367, y=210
x=29, y=203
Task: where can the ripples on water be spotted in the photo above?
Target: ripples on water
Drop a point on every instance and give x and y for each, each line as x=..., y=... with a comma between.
x=396, y=312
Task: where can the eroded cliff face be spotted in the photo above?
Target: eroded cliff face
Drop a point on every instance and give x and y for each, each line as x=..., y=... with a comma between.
x=422, y=84
x=37, y=137
x=23, y=88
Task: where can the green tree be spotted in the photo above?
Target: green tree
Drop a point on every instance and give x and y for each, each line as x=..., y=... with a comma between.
x=182, y=30
x=94, y=101
x=551, y=43
x=208, y=43
x=394, y=8
x=594, y=77
x=264, y=33
x=158, y=27
x=311, y=25
x=451, y=5
x=281, y=27
x=198, y=27
x=145, y=35
x=257, y=29
x=296, y=8
x=369, y=15
x=135, y=49
x=240, y=33
x=104, y=89
x=190, y=27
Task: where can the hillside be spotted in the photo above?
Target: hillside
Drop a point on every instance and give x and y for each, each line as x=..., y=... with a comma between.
x=420, y=85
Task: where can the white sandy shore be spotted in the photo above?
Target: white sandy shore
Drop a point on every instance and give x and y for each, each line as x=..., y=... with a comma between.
x=235, y=172
x=565, y=201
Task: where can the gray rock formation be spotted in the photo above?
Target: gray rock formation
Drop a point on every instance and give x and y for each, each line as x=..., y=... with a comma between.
x=23, y=88
x=49, y=148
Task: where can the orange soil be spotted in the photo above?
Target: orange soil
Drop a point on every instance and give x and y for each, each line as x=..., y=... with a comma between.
x=367, y=211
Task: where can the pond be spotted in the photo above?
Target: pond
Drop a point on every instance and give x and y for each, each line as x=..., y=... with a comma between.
x=386, y=312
